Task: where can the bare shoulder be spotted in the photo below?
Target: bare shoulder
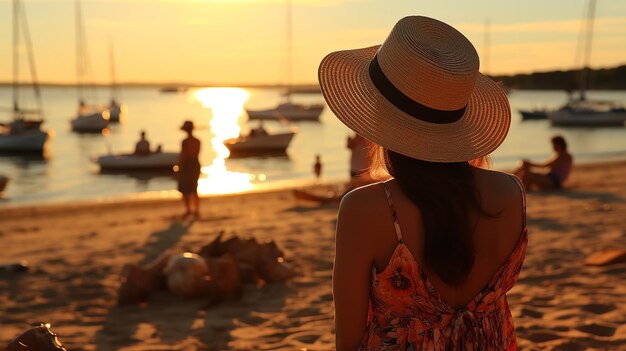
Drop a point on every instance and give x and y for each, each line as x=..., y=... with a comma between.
x=505, y=184
x=500, y=192
x=364, y=199
x=360, y=210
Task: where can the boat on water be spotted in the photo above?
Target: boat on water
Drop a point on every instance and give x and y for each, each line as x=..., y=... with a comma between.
x=259, y=143
x=132, y=162
x=172, y=89
x=589, y=113
x=23, y=134
x=116, y=109
x=583, y=112
x=89, y=118
x=537, y=114
x=288, y=111
x=4, y=180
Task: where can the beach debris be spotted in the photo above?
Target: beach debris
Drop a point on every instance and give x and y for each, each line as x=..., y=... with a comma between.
x=606, y=257
x=187, y=275
x=217, y=272
x=265, y=259
x=14, y=267
x=139, y=282
x=39, y=338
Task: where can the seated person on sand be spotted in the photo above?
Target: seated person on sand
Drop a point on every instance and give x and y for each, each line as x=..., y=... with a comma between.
x=143, y=146
x=559, y=167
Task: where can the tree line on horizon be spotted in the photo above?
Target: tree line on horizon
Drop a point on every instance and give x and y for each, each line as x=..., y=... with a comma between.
x=599, y=79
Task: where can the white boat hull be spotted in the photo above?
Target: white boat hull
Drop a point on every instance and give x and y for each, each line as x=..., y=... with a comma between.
x=130, y=162
x=27, y=141
x=91, y=123
x=260, y=145
x=568, y=118
x=294, y=114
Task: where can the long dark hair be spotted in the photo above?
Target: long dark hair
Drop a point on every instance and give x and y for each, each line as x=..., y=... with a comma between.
x=449, y=204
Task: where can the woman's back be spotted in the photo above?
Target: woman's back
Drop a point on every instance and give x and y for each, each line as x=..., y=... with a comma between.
x=410, y=305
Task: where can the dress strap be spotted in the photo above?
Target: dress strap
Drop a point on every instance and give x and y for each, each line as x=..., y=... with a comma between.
x=523, y=191
x=394, y=214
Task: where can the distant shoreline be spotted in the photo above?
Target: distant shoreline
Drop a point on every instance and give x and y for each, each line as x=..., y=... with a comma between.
x=613, y=78
x=297, y=89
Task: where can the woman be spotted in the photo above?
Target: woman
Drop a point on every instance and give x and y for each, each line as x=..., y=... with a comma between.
x=559, y=168
x=424, y=260
x=189, y=171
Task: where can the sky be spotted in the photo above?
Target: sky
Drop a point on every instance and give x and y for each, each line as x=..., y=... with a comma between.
x=225, y=42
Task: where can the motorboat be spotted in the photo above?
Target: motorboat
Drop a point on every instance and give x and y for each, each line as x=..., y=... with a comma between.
x=536, y=114
x=589, y=113
x=259, y=143
x=290, y=112
x=90, y=122
x=4, y=180
x=135, y=162
x=22, y=136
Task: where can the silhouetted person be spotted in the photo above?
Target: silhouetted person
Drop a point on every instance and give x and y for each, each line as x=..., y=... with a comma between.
x=359, y=156
x=559, y=167
x=189, y=171
x=143, y=145
x=317, y=168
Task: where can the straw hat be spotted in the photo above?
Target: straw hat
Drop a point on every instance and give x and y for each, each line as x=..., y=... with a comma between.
x=187, y=126
x=419, y=93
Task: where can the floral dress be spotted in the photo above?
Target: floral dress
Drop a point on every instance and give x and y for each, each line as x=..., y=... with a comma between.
x=407, y=313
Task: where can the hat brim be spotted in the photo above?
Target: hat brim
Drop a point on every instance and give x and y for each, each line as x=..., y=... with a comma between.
x=353, y=98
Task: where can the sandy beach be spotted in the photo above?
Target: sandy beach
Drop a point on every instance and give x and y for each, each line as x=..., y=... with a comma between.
x=77, y=252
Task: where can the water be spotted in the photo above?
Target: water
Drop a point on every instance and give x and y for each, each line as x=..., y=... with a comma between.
x=67, y=174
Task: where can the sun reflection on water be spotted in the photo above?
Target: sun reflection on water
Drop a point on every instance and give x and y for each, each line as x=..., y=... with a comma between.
x=226, y=105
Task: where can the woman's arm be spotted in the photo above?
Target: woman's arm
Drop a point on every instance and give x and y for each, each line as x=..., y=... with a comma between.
x=545, y=164
x=351, y=273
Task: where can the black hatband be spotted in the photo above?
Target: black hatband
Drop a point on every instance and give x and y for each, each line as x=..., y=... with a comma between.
x=405, y=103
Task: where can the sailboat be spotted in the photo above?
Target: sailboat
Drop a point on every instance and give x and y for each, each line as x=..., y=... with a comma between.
x=116, y=110
x=583, y=112
x=289, y=110
x=23, y=134
x=89, y=119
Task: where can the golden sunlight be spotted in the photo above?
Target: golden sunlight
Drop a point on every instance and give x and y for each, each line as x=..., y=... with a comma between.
x=226, y=105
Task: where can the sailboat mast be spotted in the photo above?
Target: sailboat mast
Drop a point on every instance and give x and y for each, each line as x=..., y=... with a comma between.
x=584, y=78
x=289, y=47
x=112, y=61
x=31, y=60
x=79, y=61
x=16, y=44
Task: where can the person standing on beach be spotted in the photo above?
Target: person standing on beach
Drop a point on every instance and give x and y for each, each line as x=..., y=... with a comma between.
x=559, y=168
x=359, y=155
x=424, y=259
x=189, y=171
x=317, y=167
